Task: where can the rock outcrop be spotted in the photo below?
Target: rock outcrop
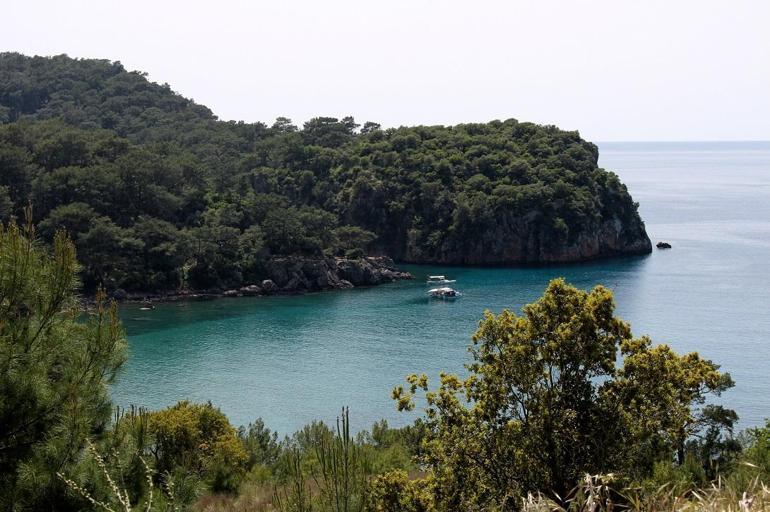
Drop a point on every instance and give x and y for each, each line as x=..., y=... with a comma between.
x=292, y=274
x=251, y=290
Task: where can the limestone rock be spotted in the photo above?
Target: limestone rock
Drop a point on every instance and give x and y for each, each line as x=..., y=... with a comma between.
x=251, y=290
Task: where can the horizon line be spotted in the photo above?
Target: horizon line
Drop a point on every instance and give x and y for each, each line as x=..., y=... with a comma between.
x=678, y=141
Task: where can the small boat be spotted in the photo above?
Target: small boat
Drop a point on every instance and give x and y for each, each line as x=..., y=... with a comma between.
x=444, y=293
x=433, y=280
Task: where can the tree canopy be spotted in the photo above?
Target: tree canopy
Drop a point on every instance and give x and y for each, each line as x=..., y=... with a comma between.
x=54, y=367
x=546, y=402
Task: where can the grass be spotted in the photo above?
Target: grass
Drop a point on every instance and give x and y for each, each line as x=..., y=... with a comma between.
x=592, y=496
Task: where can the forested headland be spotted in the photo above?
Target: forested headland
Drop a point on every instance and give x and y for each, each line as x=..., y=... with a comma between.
x=158, y=194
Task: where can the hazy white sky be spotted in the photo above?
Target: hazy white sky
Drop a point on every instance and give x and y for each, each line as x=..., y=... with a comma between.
x=613, y=69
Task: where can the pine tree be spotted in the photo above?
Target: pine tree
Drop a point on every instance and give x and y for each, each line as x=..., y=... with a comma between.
x=56, y=359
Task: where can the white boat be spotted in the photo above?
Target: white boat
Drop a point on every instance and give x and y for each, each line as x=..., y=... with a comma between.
x=433, y=280
x=444, y=293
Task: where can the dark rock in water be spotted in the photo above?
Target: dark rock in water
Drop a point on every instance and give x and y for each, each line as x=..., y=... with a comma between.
x=663, y=245
x=268, y=286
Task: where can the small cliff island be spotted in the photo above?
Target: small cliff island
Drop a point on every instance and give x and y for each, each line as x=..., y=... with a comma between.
x=160, y=196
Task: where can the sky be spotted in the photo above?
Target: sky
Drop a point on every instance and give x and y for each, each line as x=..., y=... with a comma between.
x=612, y=69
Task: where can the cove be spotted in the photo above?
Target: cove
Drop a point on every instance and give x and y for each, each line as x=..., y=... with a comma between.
x=294, y=359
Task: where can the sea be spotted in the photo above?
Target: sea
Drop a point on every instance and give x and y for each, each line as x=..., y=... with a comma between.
x=290, y=360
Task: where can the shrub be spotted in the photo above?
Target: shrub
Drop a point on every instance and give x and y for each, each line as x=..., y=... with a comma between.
x=198, y=439
x=395, y=492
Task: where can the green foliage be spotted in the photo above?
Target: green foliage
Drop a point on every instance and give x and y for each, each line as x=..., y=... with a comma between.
x=325, y=470
x=6, y=204
x=296, y=495
x=545, y=403
x=343, y=470
x=124, y=448
x=319, y=468
x=753, y=463
x=713, y=442
x=656, y=391
x=181, y=199
x=396, y=492
x=110, y=476
x=198, y=440
x=261, y=445
x=56, y=362
x=352, y=240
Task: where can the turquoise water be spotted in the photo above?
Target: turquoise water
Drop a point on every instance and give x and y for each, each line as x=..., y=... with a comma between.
x=290, y=360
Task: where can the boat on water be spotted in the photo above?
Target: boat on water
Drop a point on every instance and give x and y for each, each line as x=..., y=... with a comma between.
x=444, y=293
x=434, y=280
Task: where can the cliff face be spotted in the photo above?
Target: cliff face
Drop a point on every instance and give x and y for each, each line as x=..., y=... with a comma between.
x=523, y=241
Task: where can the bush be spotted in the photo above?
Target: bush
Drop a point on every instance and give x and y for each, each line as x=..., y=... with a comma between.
x=395, y=492
x=198, y=439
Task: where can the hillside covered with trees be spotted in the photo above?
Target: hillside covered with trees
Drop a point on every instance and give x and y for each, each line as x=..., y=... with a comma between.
x=158, y=194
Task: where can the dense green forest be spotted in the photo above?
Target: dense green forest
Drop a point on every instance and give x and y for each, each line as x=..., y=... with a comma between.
x=158, y=194
x=561, y=408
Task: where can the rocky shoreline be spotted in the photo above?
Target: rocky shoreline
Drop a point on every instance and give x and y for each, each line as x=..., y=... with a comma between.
x=290, y=276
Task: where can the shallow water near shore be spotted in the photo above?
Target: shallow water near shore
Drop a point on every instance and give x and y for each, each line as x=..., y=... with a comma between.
x=293, y=359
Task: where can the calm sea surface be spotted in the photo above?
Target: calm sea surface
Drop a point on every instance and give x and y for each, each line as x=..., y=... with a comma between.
x=290, y=360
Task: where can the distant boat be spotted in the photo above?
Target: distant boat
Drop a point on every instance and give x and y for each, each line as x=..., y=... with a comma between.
x=444, y=293
x=434, y=280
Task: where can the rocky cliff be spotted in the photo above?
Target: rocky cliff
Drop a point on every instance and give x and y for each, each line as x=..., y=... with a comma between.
x=523, y=241
x=296, y=274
